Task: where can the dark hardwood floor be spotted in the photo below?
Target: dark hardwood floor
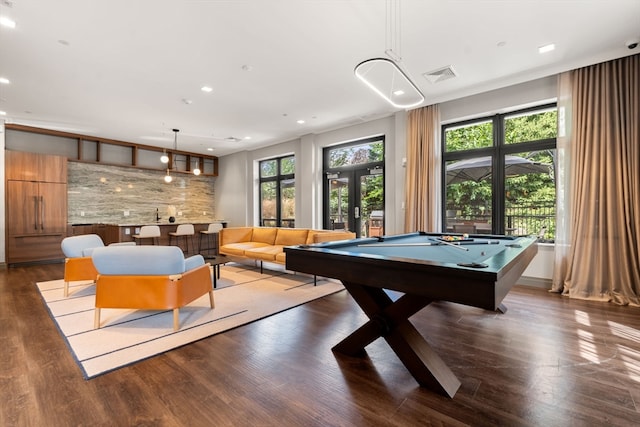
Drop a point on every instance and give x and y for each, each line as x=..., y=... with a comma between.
x=549, y=361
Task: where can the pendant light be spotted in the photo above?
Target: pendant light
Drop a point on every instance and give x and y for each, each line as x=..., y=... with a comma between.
x=168, y=178
x=196, y=171
x=384, y=76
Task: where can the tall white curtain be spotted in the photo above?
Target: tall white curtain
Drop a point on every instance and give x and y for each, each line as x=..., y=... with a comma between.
x=563, y=182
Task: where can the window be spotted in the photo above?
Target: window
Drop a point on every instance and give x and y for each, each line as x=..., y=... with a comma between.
x=277, y=192
x=499, y=174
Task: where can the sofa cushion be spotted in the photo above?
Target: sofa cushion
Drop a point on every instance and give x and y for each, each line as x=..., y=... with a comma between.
x=139, y=260
x=281, y=258
x=193, y=261
x=264, y=235
x=235, y=235
x=267, y=253
x=319, y=236
x=291, y=236
x=89, y=251
x=240, y=248
x=80, y=246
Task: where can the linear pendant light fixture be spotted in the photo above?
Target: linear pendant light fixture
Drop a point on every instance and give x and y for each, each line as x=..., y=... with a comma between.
x=384, y=76
x=386, y=79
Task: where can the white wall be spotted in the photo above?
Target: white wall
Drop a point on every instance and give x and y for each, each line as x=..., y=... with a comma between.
x=231, y=196
x=536, y=92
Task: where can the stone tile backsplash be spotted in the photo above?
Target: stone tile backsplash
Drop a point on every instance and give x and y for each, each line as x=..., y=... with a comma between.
x=100, y=194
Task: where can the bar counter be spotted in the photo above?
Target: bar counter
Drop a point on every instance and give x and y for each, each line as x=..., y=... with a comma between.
x=116, y=233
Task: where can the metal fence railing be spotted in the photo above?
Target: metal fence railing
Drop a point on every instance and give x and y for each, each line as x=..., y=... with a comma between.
x=520, y=219
x=539, y=220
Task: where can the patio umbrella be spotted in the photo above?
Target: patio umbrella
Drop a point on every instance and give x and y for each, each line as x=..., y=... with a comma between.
x=479, y=168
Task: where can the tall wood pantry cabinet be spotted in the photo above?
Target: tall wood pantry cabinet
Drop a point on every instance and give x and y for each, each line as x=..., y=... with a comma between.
x=36, y=206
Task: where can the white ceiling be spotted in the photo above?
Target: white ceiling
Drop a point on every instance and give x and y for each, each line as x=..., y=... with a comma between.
x=132, y=70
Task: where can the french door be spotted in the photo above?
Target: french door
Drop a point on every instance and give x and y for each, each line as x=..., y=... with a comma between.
x=354, y=187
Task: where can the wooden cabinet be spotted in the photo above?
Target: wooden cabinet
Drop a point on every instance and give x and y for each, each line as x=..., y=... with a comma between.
x=23, y=166
x=78, y=229
x=36, y=207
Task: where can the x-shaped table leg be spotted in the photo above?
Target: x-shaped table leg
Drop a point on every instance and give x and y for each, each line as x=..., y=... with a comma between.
x=390, y=320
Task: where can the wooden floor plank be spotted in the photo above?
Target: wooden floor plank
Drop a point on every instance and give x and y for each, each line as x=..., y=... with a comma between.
x=547, y=361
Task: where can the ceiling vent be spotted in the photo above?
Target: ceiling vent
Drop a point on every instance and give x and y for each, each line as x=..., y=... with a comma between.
x=440, y=75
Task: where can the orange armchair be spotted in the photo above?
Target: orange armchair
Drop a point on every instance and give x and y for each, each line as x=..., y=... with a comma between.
x=149, y=278
x=78, y=265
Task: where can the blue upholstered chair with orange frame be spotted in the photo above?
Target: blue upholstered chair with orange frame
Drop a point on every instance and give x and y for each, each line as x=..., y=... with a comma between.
x=149, y=278
x=77, y=264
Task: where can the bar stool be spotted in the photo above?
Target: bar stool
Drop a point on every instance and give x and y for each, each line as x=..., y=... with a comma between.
x=211, y=232
x=148, y=232
x=183, y=230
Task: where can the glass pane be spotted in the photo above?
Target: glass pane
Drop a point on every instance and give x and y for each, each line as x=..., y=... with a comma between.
x=339, y=203
x=468, y=195
x=531, y=126
x=268, y=168
x=268, y=204
x=371, y=205
x=467, y=137
x=288, y=166
x=288, y=202
x=530, y=194
x=356, y=154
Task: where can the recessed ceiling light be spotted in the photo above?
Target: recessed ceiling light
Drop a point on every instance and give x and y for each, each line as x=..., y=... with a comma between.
x=398, y=92
x=300, y=122
x=247, y=137
x=546, y=48
x=3, y=113
x=206, y=89
x=4, y=80
x=7, y=22
x=209, y=149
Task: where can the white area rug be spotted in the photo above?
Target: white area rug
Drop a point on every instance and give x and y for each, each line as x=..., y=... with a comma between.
x=243, y=295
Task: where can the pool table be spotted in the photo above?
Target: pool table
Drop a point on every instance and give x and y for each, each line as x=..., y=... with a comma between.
x=476, y=270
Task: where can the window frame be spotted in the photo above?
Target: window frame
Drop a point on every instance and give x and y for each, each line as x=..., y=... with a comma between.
x=497, y=151
x=278, y=179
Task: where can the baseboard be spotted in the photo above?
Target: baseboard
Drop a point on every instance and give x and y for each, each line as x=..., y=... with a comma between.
x=536, y=282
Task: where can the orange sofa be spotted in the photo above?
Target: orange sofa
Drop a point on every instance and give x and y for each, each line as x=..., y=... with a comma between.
x=266, y=244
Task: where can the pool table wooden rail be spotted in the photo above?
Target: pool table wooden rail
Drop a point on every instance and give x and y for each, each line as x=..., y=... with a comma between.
x=483, y=288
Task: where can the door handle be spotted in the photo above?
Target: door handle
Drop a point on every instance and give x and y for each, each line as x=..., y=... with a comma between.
x=357, y=212
x=42, y=212
x=35, y=211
